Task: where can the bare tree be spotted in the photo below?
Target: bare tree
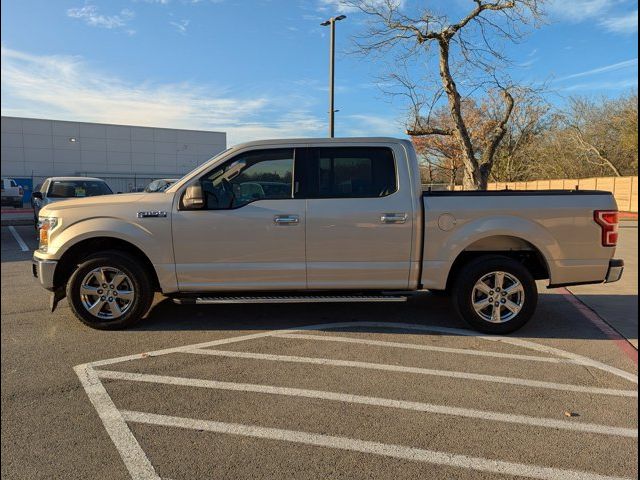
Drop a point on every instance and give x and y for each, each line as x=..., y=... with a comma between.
x=532, y=117
x=587, y=137
x=594, y=132
x=468, y=49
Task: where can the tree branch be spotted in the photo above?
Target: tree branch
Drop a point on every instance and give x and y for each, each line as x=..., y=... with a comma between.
x=592, y=148
x=481, y=7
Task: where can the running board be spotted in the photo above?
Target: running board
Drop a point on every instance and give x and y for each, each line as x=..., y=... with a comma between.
x=289, y=299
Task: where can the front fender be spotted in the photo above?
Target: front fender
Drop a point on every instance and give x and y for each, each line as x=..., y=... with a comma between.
x=112, y=227
x=150, y=236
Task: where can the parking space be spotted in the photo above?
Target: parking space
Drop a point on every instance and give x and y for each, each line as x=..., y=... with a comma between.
x=309, y=391
x=370, y=398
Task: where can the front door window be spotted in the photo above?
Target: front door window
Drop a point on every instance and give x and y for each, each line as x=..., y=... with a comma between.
x=256, y=175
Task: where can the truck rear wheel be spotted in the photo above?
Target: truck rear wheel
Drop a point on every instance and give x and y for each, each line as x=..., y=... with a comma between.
x=495, y=294
x=109, y=291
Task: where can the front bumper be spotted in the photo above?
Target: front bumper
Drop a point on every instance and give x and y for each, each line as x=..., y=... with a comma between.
x=616, y=267
x=43, y=270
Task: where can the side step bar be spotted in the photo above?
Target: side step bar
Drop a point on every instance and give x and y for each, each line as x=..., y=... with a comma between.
x=289, y=299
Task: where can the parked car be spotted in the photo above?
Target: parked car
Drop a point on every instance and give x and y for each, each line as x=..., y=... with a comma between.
x=160, y=185
x=136, y=189
x=55, y=189
x=12, y=193
x=353, y=225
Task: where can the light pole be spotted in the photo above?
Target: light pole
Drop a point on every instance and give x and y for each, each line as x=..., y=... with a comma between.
x=332, y=51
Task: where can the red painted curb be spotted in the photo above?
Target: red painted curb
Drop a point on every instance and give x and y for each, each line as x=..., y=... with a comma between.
x=622, y=343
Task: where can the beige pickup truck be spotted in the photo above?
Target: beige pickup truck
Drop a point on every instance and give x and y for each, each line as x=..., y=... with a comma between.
x=322, y=220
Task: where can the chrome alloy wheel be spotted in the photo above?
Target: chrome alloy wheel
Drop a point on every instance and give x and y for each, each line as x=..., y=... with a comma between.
x=498, y=297
x=107, y=293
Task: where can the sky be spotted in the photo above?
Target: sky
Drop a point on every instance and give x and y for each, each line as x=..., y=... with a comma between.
x=258, y=69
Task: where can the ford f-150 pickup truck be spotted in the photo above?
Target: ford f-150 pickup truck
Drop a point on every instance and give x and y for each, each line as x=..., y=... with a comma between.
x=322, y=220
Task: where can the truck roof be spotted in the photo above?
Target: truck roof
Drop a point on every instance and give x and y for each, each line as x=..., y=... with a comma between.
x=288, y=141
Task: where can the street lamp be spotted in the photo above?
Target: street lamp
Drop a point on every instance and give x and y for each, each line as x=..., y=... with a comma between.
x=332, y=50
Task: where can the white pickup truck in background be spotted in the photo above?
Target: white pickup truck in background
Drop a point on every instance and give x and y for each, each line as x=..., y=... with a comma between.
x=12, y=193
x=322, y=220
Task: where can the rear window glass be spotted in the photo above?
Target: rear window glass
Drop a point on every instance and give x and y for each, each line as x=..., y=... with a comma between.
x=77, y=189
x=352, y=172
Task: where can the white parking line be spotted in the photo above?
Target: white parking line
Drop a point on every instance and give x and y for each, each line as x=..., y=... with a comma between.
x=418, y=370
x=23, y=246
x=364, y=446
x=518, y=342
x=431, y=348
x=139, y=466
x=132, y=454
x=385, y=325
x=374, y=401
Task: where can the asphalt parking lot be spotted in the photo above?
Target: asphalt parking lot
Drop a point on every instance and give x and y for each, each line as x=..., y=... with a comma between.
x=313, y=391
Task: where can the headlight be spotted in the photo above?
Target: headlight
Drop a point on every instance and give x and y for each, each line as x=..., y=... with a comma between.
x=45, y=225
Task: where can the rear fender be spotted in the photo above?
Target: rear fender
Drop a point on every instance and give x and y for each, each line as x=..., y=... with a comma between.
x=436, y=270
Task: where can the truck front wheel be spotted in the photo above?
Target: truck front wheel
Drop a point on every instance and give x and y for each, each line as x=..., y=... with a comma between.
x=495, y=294
x=109, y=290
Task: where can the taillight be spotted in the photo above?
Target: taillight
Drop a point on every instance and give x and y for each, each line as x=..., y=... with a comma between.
x=608, y=221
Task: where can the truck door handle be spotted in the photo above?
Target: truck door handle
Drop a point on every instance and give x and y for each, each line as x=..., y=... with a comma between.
x=393, y=218
x=286, y=219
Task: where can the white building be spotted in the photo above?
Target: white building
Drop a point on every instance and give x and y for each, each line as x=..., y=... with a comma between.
x=125, y=156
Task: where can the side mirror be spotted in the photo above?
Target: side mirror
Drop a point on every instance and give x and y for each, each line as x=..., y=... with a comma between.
x=37, y=195
x=193, y=198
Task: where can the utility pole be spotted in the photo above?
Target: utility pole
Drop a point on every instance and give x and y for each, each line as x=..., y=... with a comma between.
x=332, y=53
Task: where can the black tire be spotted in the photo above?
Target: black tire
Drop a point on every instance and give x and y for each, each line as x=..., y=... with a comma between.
x=473, y=272
x=140, y=281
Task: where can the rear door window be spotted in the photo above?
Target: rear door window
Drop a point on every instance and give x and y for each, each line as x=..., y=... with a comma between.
x=350, y=172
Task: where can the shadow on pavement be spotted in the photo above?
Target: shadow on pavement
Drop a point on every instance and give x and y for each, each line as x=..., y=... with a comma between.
x=555, y=317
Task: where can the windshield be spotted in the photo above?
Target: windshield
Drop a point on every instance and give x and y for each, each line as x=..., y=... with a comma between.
x=78, y=188
x=200, y=167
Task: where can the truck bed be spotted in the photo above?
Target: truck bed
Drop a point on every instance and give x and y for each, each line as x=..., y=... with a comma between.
x=557, y=225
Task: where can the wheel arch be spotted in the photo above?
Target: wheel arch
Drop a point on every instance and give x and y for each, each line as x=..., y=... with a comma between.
x=510, y=246
x=79, y=251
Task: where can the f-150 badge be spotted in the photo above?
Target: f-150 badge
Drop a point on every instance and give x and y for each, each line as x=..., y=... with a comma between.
x=152, y=213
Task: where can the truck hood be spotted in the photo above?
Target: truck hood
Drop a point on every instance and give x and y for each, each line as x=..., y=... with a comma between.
x=89, y=202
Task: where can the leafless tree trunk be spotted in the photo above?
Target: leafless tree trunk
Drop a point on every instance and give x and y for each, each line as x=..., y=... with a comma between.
x=391, y=28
